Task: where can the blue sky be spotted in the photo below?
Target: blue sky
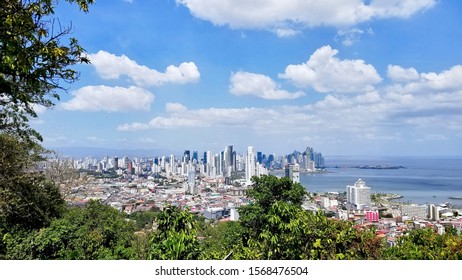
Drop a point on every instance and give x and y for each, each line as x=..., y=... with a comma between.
x=347, y=77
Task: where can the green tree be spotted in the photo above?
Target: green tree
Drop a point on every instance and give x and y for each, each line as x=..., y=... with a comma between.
x=275, y=226
x=268, y=189
x=34, y=61
x=176, y=236
x=27, y=199
x=426, y=244
x=265, y=192
x=144, y=219
x=220, y=240
x=272, y=226
x=95, y=232
x=328, y=239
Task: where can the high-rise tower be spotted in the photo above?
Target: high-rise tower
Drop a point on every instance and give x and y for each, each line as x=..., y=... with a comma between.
x=359, y=195
x=251, y=164
x=228, y=157
x=292, y=171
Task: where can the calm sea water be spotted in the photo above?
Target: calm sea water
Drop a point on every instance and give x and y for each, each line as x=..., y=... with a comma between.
x=424, y=180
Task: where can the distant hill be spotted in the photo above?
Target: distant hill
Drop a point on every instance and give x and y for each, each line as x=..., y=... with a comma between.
x=80, y=152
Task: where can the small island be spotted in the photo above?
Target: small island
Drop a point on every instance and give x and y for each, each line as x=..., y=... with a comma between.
x=380, y=167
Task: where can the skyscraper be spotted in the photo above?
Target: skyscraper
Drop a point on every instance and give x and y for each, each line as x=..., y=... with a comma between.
x=186, y=156
x=259, y=157
x=192, y=182
x=172, y=165
x=251, y=164
x=359, y=195
x=292, y=171
x=209, y=162
x=318, y=160
x=195, y=156
x=116, y=163
x=309, y=153
x=228, y=157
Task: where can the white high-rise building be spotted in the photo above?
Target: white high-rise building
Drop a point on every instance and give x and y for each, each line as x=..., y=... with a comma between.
x=228, y=158
x=292, y=171
x=250, y=164
x=359, y=195
x=261, y=170
x=172, y=165
x=192, y=182
x=208, y=164
x=433, y=212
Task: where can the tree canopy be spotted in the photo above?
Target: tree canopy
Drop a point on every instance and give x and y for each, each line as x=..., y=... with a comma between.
x=276, y=227
x=27, y=199
x=176, y=236
x=95, y=232
x=34, y=61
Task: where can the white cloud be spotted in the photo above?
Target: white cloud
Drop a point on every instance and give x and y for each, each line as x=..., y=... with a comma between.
x=289, y=14
x=368, y=97
x=161, y=122
x=382, y=116
x=400, y=74
x=412, y=82
x=286, y=32
x=175, y=107
x=136, y=126
x=398, y=8
x=110, y=66
x=447, y=80
x=39, y=109
x=109, y=99
x=245, y=83
x=324, y=72
x=351, y=36
x=228, y=117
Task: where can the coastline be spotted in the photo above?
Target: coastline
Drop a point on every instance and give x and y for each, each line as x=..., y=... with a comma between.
x=425, y=180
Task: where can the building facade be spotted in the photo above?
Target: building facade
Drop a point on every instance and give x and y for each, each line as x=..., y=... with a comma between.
x=251, y=164
x=359, y=195
x=292, y=171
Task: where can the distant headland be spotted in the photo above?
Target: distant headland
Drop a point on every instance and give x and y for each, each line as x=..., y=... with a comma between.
x=379, y=167
x=373, y=167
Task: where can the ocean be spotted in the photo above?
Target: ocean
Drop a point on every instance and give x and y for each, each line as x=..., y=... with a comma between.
x=423, y=180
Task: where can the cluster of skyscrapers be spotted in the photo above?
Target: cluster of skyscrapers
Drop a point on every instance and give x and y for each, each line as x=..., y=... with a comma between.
x=227, y=164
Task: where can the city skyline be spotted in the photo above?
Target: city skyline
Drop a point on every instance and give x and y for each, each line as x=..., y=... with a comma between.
x=360, y=78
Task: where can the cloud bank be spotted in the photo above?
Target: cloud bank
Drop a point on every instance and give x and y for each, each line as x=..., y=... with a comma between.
x=413, y=107
x=289, y=16
x=245, y=83
x=324, y=72
x=110, y=66
x=109, y=99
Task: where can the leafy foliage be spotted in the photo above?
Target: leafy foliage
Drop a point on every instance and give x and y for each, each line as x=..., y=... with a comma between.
x=277, y=227
x=271, y=225
x=27, y=199
x=266, y=191
x=221, y=240
x=95, y=232
x=144, y=219
x=425, y=244
x=33, y=61
x=328, y=239
x=176, y=236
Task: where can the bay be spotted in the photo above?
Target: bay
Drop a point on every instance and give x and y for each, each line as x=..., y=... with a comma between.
x=423, y=180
